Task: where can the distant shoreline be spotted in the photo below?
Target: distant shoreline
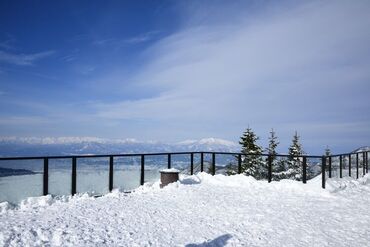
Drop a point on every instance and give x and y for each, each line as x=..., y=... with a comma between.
x=7, y=172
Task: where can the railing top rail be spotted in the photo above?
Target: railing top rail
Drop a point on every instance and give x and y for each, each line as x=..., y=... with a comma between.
x=346, y=154
x=157, y=154
x=91, y=156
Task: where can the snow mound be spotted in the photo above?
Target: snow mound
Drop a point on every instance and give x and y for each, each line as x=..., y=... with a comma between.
x=347, y=183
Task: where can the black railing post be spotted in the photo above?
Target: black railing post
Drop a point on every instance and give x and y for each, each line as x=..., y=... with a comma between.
x=323, y=161
x=304, y=179
x=269, y=168
x=46, y=177
x=340, y=166
x=201, y=161
x=239, y=163
x=357, y=165
x=169, y=161
x=191, y=163
x=213, y=163
x=363, y=164
x=329, y=166
x=142, y=160
x=349, y=165
x=74, y=176
x=110, y=173
x=367, y=162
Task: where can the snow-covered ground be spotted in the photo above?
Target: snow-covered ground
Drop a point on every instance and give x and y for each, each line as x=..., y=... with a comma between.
x=200, y=210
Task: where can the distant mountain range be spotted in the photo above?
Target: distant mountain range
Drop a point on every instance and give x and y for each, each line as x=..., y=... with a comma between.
x=13, y=146
x=361, y=149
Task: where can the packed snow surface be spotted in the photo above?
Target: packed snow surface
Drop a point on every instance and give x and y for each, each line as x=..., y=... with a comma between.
x=199, y=210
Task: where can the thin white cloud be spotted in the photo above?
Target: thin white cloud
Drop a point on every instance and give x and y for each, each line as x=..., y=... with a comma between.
x=103, y=42
x=118, y=42
x=142, y=37
x=68, y=58
x=290, y=66
x=23, y=59
x=6, y=45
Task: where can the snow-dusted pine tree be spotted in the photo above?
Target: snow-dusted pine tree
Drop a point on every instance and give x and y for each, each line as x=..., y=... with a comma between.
x=278, y=166
x=294, y=163
x=252, y=163
x=327, y=151
x=273, y=142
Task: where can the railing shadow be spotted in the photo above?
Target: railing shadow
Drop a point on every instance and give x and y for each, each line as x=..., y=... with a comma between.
x=217, y=242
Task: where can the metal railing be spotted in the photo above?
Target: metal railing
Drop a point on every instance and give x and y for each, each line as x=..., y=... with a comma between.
x=238, y=156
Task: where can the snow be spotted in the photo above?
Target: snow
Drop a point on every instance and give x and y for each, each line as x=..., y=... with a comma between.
x=209, y=141
x=173, y=170
x=200, y=209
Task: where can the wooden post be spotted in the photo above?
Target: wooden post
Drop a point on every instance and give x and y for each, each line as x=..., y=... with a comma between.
x=323, y=161
x=46, y=177
x=142, y=169
x=304, y=179
x=329, y=168
x=110, y=173
x=74, y=176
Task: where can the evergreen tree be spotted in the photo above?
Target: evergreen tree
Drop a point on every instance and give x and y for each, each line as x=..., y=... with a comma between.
x=280, y=170
x=231, y=169
x=294, y=163
x=327, y=151
x=273, y=142
x=278, y=165
x=252, y=163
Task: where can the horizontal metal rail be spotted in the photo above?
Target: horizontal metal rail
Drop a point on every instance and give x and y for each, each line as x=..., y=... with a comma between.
x=150, y=154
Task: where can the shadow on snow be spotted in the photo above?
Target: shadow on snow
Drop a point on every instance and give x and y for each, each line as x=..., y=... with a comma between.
x=217, y=242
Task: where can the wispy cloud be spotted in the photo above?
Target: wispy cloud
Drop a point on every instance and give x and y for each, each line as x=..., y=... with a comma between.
x=68, y=58
x=273, y=70
x=142, y=37
x=118, y=42
x=295, y=66
x=71, y=56
x=103, y=42
x=30, y=73
x=6, y=45
x=23, y=59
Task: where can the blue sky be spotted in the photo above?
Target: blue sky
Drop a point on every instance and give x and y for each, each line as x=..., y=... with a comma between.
x=176, y=70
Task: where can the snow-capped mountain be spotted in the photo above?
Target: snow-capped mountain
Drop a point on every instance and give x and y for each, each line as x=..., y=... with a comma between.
x=362, y=149
x=15, y=146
